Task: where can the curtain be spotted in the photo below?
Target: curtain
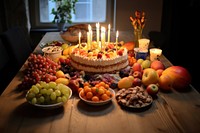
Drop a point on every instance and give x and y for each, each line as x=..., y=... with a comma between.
x=14, y=13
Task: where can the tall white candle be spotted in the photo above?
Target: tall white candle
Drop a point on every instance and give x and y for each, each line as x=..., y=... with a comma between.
x=103, y=36
x=109, y=33
x=117, y=35
x=88, y=40
x=91, y=39
x=79, y=39
x=97, y=30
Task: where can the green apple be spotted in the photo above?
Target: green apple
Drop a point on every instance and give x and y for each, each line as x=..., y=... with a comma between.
x=64, y=46
x=146, y=64
x=140, y=61
x=150, y=76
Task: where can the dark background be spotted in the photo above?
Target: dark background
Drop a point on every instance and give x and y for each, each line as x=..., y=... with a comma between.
x=180, y=28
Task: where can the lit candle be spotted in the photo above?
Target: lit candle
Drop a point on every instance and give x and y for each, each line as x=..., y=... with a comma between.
x=109, y=33
x=97, y=30
x=117, y=35
x=88, y=40
x=155, y=53
x=90, y=36
x=79, y=38
x=103, y=30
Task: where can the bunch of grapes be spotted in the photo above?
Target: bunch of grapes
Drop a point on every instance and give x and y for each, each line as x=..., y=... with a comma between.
x=48, y=93
x=39, y=68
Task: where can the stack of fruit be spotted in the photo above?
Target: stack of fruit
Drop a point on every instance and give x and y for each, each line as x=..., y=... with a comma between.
x=153, y=76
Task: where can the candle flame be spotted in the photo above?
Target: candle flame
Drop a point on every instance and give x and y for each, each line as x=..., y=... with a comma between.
x=117, y=34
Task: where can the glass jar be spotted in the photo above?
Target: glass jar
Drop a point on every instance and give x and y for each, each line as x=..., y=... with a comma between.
x=137, y=34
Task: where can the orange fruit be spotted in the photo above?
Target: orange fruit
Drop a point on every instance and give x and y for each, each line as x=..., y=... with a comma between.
x=95, y=98
x=104, y=97
x=101, y=91
x=87, y=89
x=108, y=93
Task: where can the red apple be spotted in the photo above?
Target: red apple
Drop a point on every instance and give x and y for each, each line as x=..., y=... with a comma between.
x=180, y=76
x=137, y=74
x=150, y=76
x=159, y=71
x=156, y=64
x=152, y=89
x=137, y=82
x=165, y=82
x=74, y=85
x=137, y=67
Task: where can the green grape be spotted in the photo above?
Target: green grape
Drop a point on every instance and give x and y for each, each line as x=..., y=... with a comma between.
x=34, y=100
x=59, y=99
x=30, y=96
x=41, y=99
x=35, y=89
x=53, y=96
x=49, y=91
x=47, y=99
x=64, y=98
x=38, y=86
x=58, y=93
x=52, y=84
x=43, y=84
x=43, y=91
x=67, y=95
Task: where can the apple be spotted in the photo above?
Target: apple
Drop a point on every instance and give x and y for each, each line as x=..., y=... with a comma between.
x=131, y=78
x=137, y=67
x=152, y=89
x=180, y=76
x=74, y=85
x=165, y=82
x=137, y=82
x=150, y=76
x=159, y=71
x=137, y=74
x=156, y=64
x=146, y=64
x=140, y=60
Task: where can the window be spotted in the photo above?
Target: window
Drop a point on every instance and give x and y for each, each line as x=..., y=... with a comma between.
x=87, y=11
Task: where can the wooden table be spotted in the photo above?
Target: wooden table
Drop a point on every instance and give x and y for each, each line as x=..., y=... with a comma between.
x=175, y=112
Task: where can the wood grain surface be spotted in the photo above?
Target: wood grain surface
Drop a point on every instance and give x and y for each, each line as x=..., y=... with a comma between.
x=174, y=112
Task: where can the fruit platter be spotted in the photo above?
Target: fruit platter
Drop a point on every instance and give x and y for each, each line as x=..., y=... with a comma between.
x=135, y=82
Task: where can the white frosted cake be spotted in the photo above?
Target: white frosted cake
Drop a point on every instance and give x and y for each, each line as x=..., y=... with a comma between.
x=99, y=61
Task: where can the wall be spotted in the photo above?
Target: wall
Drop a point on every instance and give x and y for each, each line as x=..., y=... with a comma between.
x=126, y=8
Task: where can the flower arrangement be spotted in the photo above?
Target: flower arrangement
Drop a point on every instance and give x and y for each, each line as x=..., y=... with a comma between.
x=139, y=21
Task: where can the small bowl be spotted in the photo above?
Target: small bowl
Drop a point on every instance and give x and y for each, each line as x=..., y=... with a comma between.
x=100, y=102
x=142, y=55
x=52, y=52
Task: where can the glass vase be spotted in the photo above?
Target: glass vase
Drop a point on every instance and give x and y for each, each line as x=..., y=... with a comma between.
x=137, y=34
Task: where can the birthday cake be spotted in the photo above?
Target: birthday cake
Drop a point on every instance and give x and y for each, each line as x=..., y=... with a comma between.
x=109, y=59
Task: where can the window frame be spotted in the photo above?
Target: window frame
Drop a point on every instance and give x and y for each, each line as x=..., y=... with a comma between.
x=36, y=24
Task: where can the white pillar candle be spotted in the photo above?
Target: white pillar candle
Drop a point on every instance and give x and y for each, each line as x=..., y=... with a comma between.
x=117, y=35
x=103, y=36
x=155, y=53
x=109, y=33
x=90, y=37
x=79, y=39
x=88, y=40
x=97, y=30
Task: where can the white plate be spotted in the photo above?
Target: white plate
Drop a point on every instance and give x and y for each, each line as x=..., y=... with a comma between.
x=101, y=102
x=50, y=106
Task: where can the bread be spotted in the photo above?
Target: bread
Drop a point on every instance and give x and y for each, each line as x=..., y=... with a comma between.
x=71, y=34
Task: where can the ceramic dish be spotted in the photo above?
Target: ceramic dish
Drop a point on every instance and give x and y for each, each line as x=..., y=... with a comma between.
x=50, y=106
x=98, y=103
